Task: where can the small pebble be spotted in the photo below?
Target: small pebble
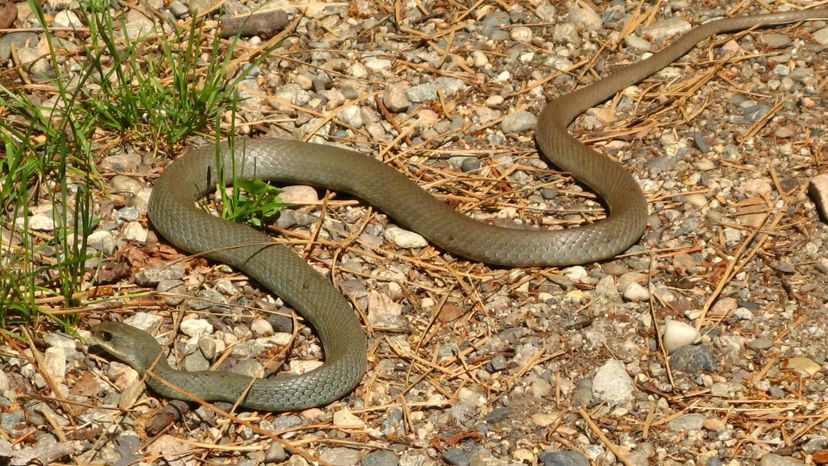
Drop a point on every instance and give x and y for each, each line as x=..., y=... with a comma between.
x=636, y=293
x=563, y=458
x=612, y=383
x=518, y=122
x=687, y=422
x=677, y=335
x=344, y=419
x=693, y=359
x=196, y=328
x=404, y=238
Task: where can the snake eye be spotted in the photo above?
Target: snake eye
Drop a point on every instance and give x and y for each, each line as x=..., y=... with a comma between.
x=105, y=336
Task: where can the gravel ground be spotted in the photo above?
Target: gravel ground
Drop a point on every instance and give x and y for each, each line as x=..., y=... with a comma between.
x=470, y=364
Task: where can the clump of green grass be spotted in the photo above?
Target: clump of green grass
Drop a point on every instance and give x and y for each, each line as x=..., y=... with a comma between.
x=147, y=92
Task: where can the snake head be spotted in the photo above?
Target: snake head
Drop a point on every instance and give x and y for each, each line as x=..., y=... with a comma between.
x=127, y=344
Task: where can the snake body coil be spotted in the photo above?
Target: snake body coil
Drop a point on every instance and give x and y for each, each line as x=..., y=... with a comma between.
x=173, y=212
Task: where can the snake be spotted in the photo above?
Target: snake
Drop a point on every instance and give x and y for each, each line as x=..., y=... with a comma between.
x=173, y=212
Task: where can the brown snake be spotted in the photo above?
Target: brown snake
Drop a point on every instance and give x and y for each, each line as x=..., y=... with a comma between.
x=173, y=212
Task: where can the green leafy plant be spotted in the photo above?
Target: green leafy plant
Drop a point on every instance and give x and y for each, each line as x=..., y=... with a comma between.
x=254, y=202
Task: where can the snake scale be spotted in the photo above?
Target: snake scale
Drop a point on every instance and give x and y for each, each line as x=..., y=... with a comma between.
x=174, y=214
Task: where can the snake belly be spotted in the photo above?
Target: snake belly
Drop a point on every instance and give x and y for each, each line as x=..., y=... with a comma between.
x=174, y=214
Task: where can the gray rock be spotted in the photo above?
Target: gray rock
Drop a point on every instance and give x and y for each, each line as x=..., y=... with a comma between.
x=772, y=459
x=519, y=121
x=563, y=458
x=821, y=36
x=662, y=164
x=634, y=292
x=498, y=363
x=120, y=163
x=248, y=367
x=275, y=453
x=754, y=112
x=178, y=8
x=498, y=414
x=18, y=39
x=666, y=29
x=152, y=276
x=456, y=457
x=38, y=65
x=11, y=422
x=470, y=164
x=293, y=93
x=449, y=85
x=175, y=291
x=195, y=362
x=127, y=214
x=701, y=143
x=207, y=299
x=380, y=458
x=492, y=25
x=67, y=19
x=693, y=359
x=546, y=12
x=635, y=42
x=784, y=266
x=775, y=40
x=138, y=25
x=565, y=33
x=687, y=422
x=126, y=444
x=394, y=97
x=585, y=19
x=760, y=344
x=352, y=115
x=340, y=456
x=208, y=347
x=822, y=265
x=612, y=383
x=422, y=92
x=102, y=241
x=582, y=395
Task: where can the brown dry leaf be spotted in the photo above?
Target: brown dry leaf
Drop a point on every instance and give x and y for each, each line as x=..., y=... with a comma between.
x=802, y=365
x=8, y=13
x=450, y=313
x=820, y=457
x=87, y=385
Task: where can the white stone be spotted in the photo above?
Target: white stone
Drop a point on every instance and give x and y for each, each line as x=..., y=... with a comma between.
x=636, y=293
x=196, y=328
x=102, y=241
x=358, y=70
x=577, y=273
x=521, y=34
x=612, y=383
x=67, y=19
x=678, y=334
x=404, y=238
x=352, y=115
x=345, y=419
x=134, y=231
x=54, y=361
x=261, y=327
x=149, y=323
x=38, y=222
